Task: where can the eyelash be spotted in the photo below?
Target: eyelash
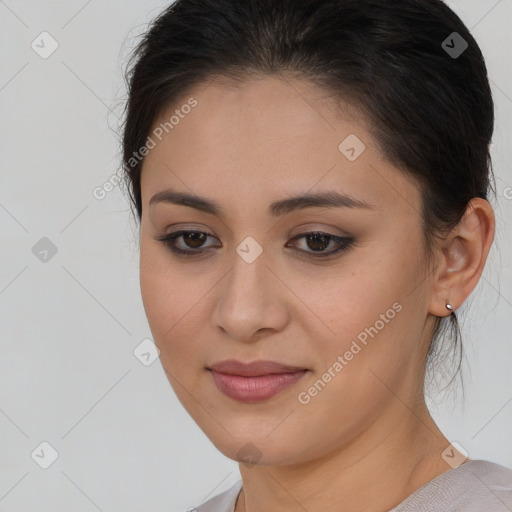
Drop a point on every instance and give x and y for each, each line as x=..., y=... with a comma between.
x=345, y=243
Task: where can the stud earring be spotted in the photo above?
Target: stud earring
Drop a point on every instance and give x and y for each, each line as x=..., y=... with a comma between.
x=450, y=307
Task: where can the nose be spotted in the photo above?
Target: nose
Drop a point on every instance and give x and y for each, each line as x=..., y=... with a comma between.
x=251, y=301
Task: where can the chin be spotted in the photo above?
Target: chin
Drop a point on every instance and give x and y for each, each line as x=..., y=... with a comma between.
x=259, y=449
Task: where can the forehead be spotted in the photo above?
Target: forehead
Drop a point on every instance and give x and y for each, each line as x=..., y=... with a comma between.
x=264, y=136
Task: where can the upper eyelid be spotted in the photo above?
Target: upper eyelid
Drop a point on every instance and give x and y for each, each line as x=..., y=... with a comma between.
x=326, y=231
x=343, y=244
x=175, y=235
x=179, y=232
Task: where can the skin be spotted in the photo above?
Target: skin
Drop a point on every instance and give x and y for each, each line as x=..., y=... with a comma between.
x=367, y=440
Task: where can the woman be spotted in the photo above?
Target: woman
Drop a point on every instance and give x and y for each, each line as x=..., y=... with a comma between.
x=311, y=180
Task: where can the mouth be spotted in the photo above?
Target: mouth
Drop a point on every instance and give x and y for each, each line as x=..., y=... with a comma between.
x=253, y=369
x=256, y=381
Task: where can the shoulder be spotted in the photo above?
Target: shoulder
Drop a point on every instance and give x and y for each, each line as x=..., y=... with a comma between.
x=477, y=486
x=223, y=502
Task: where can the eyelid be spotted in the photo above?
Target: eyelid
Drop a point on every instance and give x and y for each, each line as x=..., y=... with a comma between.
x=169, y=239
x=343, y=243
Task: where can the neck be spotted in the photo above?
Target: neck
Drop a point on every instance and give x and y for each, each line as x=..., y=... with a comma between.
x=374, y=472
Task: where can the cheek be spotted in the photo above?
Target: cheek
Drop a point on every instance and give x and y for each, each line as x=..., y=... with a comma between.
x=155, y=287
x=351, y=300
x=364, y=313
x=364, y=328
x=164, y=291
x=362, y=348
x=174, y=304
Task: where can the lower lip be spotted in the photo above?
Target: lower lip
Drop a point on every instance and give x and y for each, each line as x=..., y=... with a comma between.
x=255, y=389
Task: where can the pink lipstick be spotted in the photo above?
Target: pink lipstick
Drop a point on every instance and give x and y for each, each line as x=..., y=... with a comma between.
x=255, y=381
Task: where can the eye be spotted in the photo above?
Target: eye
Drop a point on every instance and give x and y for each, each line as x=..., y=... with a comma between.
x=318, y=241
x=192, y=239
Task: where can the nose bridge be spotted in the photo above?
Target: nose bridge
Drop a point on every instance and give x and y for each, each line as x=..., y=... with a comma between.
x=249, y=299
x=248, y=278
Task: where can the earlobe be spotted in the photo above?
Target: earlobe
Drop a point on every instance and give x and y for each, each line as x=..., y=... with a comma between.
x=463, y=258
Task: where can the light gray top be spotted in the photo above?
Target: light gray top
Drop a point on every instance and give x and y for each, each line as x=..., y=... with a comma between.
x=476, y=486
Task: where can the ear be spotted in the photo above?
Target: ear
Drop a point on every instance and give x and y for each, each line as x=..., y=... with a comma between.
x=462, y=257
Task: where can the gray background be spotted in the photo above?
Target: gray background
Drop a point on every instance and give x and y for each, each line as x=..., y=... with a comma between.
x=69, y=324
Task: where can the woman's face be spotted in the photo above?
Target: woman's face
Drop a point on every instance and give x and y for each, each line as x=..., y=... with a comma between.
x=257, y=287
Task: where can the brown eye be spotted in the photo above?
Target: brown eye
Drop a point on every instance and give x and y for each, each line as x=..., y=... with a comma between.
x=194, y=239
x=192, y=242
x=315, y=247
x=317, y=242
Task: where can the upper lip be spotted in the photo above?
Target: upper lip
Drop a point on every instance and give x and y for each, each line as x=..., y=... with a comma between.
x=253, y=369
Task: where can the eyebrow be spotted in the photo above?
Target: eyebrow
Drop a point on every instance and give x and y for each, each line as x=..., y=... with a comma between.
x=328, y=199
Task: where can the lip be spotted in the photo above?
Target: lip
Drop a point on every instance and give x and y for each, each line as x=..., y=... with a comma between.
x=253, y=369
x=255, y=381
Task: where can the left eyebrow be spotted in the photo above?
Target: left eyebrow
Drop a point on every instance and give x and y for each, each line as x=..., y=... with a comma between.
x=329, y=199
